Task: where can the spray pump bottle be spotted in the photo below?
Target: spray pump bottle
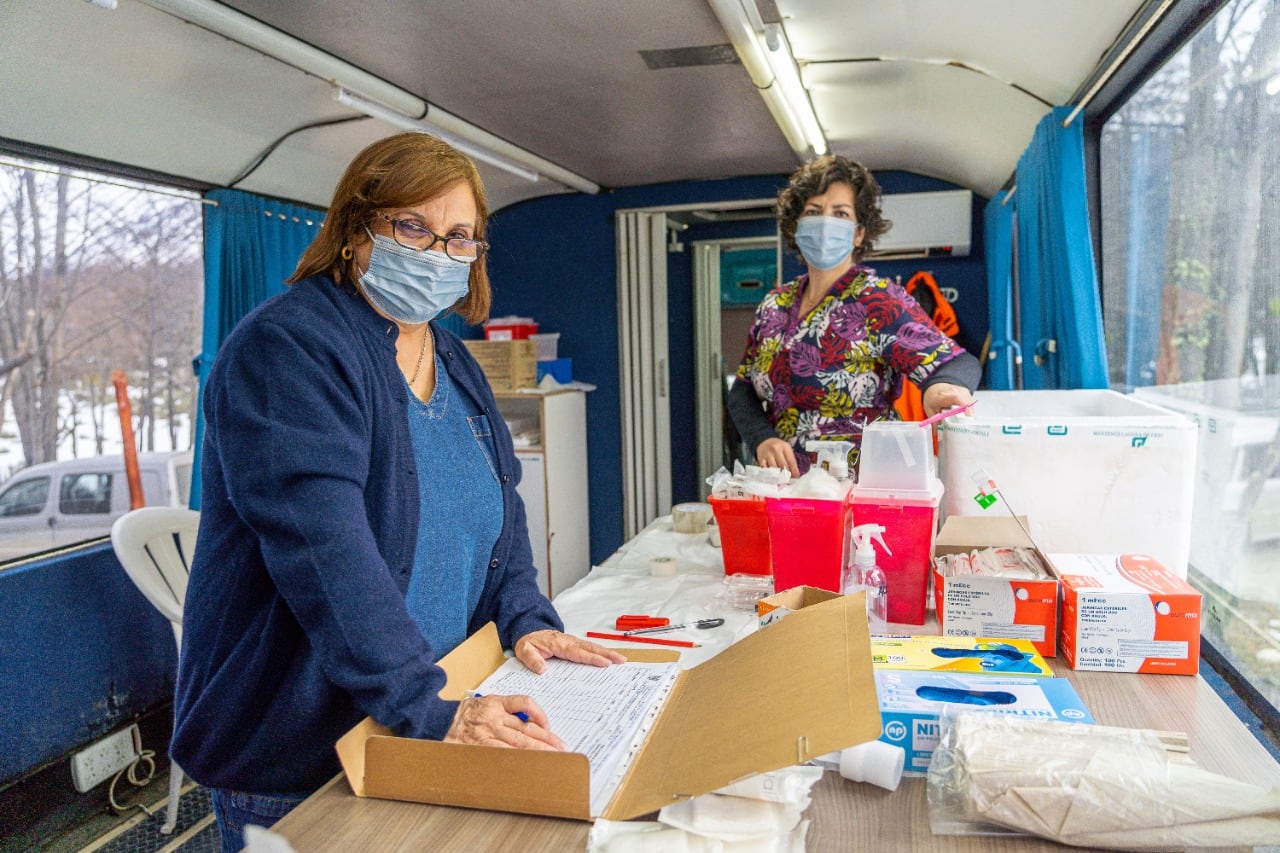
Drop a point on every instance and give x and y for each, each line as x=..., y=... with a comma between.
x=833, y=456
x=863, y=573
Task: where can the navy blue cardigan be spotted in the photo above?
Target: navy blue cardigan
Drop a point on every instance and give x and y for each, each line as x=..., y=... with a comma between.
x=295, y=625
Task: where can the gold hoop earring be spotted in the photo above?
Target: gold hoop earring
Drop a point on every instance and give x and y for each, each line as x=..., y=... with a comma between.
x=347, y=252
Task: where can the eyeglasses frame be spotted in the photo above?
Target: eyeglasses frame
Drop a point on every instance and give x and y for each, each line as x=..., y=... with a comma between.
x=481, y=246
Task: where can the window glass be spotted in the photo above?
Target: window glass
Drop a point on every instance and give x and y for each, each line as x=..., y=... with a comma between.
x=1190, y=246
x=24, y=498
x=85, y=494
x=97, y=275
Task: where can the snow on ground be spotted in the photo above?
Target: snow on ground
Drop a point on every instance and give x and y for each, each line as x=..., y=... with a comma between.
x=11, y=457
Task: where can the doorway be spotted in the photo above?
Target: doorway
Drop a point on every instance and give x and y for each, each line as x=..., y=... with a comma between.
x=730, y=277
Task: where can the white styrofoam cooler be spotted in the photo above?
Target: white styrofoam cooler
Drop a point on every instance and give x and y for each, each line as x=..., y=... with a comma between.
x=1095, y=471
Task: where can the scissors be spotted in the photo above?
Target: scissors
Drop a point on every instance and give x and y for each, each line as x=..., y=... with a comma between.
x=701, y=623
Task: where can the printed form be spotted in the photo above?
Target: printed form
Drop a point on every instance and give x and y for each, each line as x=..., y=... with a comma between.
x=602, y=712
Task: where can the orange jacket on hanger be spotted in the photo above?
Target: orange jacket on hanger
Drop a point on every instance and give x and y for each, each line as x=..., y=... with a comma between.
x=921, y=286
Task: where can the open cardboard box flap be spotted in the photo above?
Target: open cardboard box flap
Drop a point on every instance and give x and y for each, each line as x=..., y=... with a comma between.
x=799, y=688
x=963, y=533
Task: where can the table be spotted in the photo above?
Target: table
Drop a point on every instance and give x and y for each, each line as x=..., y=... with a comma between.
x=845, y=815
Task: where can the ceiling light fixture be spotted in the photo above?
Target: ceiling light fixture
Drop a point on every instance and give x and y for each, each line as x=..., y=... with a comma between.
x=395, y=119
x=391, y=101
x=766, y=54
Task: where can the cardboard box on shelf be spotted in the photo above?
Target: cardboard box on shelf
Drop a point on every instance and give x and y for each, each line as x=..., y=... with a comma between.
x=801, y=689
x=972, y=655
x=507, y=365
x=911, y=702
x=1094, y=470
x=1127, y=613
x=981, y=606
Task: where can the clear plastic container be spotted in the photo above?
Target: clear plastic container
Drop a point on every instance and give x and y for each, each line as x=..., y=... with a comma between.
x=547, y=345
x=743, y=590
x=897, y=455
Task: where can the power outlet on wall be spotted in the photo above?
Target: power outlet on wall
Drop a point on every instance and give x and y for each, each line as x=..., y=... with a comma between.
x=105, y=758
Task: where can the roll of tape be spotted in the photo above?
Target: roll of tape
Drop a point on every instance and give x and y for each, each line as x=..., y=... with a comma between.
x=662, y=567
x=690, y=518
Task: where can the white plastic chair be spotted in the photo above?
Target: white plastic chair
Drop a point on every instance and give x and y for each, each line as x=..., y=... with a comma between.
x=155, y=545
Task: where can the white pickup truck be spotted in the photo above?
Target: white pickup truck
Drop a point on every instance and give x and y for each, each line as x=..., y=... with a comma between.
x=54, y=504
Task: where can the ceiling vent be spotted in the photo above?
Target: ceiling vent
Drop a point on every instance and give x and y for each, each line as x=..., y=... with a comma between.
x=690, y=57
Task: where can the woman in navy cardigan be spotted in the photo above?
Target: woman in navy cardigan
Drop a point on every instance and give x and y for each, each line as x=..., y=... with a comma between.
x=359, y=513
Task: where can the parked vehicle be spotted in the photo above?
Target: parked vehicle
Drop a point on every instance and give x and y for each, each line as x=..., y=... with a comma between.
x=60, y=503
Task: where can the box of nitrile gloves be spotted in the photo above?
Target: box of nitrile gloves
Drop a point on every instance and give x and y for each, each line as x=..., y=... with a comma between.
x=911, y=702
x=971, y=655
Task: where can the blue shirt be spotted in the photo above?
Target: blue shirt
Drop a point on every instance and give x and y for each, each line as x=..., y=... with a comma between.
x=461, y=511
x=295, y=625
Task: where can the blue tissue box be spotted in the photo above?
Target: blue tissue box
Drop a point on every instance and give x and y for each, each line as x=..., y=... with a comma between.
x=560, y=369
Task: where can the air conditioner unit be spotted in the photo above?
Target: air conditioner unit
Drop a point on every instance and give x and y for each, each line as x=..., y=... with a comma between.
x=926, y=224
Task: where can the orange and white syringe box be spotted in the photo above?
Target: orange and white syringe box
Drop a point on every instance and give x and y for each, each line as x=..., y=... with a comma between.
x=1127, y=613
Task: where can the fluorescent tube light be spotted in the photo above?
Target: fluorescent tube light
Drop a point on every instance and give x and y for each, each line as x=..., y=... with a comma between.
x=775, y=74
x=395, y=119
x=371, y=90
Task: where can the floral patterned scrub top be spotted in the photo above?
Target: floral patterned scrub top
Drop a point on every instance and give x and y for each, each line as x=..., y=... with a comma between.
x=827, y=374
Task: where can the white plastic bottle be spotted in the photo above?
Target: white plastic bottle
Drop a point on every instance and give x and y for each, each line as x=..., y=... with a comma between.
x=862, y=573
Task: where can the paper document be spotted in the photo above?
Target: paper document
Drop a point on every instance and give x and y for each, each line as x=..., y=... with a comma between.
x=602, y=712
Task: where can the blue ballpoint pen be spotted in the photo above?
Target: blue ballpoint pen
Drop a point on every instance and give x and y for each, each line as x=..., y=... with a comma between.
x=524, y=718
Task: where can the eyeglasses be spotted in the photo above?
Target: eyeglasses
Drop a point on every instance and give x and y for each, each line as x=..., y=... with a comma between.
x=414, y=235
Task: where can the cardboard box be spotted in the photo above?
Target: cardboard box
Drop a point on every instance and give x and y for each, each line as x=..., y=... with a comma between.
x=1008, y=608
x=774, y=607
x=780, y=697
x=507, y=365
x=1127, y=613
x=910, y=703
x=975, y=656
x=1094, y=470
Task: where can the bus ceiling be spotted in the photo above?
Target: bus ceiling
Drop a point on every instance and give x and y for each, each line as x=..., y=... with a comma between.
x=275, y=96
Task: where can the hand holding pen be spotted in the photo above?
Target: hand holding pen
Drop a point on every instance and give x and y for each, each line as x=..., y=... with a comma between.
x=512, y=721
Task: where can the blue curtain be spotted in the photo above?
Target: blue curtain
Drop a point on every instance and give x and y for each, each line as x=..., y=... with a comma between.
x=251, y=245
x=1004, y=350
x=1060, y=308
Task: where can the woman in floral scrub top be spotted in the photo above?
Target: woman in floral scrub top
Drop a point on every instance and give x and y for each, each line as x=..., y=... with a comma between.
x=828, y=352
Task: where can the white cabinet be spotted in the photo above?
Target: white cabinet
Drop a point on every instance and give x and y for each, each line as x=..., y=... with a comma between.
x=550, y=431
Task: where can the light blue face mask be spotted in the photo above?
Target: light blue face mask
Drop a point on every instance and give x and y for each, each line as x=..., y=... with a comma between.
x=412, y=287
x=825, y=241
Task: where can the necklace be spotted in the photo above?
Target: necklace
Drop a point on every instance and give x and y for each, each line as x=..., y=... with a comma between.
x=422, y=354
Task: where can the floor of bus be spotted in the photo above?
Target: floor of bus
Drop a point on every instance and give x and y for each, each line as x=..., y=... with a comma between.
x=137, y=830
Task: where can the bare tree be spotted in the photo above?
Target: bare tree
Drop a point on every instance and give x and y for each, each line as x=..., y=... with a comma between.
x=92, y=279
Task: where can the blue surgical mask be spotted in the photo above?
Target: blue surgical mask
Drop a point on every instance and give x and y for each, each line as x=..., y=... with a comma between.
x=825, y=241
x=412, y=287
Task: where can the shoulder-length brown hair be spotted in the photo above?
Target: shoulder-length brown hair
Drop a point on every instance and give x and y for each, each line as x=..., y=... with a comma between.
x=814, y=178
x=399, y=171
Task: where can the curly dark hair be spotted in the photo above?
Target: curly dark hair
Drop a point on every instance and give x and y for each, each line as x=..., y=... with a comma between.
x=814, y=178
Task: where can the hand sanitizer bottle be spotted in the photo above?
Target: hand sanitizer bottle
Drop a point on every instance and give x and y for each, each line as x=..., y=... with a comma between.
x=863, y=574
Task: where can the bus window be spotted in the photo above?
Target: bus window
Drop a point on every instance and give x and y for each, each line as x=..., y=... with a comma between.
x=1190, y=236
x=123, y=288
